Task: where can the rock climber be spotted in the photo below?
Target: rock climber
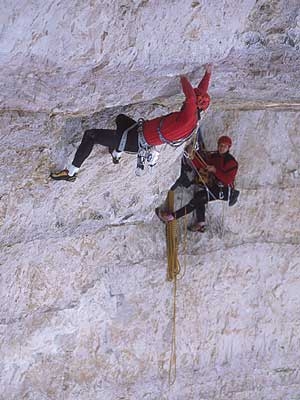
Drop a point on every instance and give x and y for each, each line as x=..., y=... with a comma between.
x=143, y=136
x=216, y=175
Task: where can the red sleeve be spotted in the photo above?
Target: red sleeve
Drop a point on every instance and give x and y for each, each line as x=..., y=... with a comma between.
x=203, y=85
x=227, y=174
x=198, y=163
x=187, y=89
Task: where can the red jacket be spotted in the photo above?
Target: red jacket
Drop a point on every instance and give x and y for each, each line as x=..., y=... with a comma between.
x=203, y=85
x=226, y=166
x=180, y=124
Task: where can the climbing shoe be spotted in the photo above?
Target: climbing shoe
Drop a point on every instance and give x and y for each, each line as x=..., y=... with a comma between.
x=198, y=227
x=63, y=176
x=164, y=216
x=115, y=155
x=115, y=160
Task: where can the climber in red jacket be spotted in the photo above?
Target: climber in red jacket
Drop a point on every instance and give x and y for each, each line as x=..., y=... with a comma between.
x=141, y=137
x=178, y=126
x=222, y=168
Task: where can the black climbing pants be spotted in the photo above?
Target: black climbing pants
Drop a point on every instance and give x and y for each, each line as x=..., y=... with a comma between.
x=199, y=201
x=107, y=137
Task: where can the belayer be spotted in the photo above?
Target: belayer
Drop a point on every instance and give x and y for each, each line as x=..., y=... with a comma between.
x=216, y=172
x=141, y=137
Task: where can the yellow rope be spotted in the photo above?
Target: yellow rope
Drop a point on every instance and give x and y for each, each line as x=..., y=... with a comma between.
x=172, y=364
x=172, y=242
x=172, y=275
x=184, y=244
x=182, y=271
x=173, y=271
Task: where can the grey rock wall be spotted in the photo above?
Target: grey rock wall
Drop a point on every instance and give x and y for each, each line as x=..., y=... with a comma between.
x=86, y=311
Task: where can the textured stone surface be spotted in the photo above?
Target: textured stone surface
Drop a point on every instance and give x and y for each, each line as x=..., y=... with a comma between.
x=80, y=58
x=86, y=310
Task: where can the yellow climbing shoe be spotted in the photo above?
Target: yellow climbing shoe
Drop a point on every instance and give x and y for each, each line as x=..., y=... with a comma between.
x=62, y=176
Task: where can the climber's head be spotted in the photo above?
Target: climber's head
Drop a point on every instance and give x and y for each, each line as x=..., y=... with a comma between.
x=202, y=99
x=224, y=144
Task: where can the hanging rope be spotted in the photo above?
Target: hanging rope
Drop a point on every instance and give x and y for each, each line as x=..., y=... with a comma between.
x=222, y=230
x=173, y=271
x=173, y=365
x=172, y=242
x=182, y=271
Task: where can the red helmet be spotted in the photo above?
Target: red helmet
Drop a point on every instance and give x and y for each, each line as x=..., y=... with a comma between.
x=225, y=140
x=202, y=99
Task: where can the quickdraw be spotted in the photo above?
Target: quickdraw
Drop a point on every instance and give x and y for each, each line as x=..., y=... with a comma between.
x=144, y=150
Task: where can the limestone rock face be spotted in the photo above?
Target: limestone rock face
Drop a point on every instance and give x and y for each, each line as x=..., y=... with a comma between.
x=68, y=57
x=86, y=311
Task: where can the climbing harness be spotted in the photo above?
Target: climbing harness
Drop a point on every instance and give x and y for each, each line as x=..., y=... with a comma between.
x=145, y=152
x=178, y=142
